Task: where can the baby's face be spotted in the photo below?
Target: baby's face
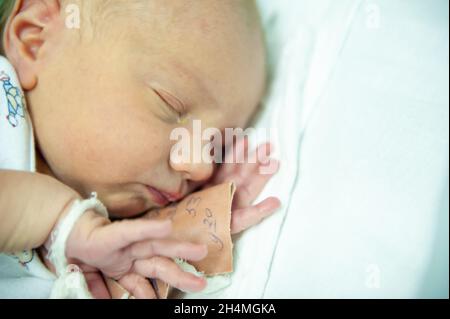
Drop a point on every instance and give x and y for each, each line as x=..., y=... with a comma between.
x=104, y=107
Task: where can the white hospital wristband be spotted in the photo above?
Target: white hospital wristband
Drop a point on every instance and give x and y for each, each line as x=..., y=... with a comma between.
x=70, y=282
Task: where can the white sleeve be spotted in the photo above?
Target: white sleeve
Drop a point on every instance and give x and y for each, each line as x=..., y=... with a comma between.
x=22, y=275
x=16, y=132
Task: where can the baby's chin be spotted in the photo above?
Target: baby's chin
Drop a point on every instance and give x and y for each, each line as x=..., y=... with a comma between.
x=126, y=205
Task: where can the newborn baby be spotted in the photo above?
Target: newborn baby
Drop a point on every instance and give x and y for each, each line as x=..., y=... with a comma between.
x=103, y=100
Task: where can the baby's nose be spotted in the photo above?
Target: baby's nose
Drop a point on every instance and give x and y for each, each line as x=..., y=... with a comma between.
x=196, y=172
x=194, y=167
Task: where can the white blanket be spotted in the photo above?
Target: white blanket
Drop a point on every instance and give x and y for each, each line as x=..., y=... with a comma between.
x=360, y=104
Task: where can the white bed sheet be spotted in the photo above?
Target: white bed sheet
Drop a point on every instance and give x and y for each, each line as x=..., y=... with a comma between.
x=360, y=103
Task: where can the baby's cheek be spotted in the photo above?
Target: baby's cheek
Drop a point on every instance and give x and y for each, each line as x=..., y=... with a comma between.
x=111, y=160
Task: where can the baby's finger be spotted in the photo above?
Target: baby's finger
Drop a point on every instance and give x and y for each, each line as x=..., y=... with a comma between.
x=245, y=172
x=260, y=156
x=167, y=248
x=169, y=272
x=123, y=233
x=138, y=286
x=244, y=218
x=250, y=189
x=230, y=167
x=237, y=151
x=97, y=285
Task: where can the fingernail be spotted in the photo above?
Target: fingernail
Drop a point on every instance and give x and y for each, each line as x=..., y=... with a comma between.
x=202, y=283
x=198, y=284
x=271, y=167
x=270, y=207
x=275, y=163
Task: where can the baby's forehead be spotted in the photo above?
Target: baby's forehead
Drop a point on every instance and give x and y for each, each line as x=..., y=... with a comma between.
x=207, y=45
x=208, y=15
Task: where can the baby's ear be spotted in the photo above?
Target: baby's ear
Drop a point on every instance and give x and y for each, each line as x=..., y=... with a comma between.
x=25, y=35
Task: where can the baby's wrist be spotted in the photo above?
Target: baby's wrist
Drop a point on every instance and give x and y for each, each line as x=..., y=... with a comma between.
x=83, y=226
x=70, y=243
x=66, y=210
x=78, y=242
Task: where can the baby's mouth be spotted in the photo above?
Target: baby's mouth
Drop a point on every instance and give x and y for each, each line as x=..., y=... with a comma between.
x=158, y=197
x=163, y=198
x=137, y=200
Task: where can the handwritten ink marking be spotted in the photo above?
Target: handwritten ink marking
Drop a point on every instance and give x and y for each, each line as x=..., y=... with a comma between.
x=216, y=240
x=210, y=220
x=192, y=204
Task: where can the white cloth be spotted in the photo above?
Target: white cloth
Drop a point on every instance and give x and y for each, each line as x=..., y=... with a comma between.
x=22, y=275
x=71, y=283
x=360, y=104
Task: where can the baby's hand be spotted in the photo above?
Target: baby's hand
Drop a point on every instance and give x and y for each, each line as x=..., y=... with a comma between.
x=132, y=250
x=250, y=179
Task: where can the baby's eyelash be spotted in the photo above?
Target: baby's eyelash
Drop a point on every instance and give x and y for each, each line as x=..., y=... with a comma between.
x=175, y=104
